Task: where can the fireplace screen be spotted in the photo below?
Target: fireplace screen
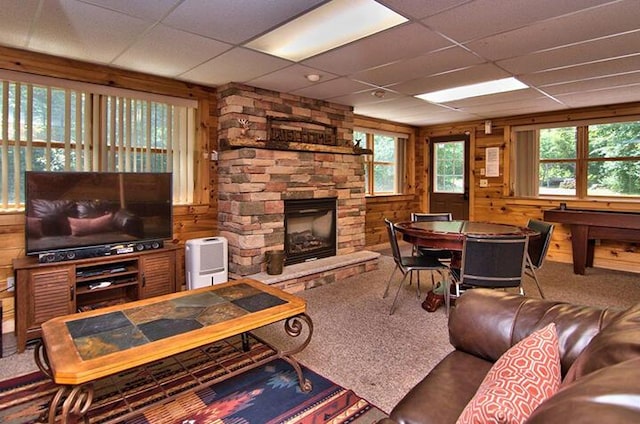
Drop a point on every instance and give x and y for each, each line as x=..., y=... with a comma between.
x=310, y=229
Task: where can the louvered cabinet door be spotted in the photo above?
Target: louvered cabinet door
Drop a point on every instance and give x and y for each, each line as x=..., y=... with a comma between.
x=42, y=294
x=158, y=274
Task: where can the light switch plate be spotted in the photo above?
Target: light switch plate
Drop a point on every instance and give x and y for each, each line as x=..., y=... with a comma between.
x=484, y=183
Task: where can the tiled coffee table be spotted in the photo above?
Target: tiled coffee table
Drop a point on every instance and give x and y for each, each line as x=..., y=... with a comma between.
x=78, y=349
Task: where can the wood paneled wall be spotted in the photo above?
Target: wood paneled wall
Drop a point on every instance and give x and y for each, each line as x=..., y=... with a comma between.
x=193, y=221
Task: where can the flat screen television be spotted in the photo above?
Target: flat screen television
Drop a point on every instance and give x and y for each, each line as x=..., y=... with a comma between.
x=74, y=210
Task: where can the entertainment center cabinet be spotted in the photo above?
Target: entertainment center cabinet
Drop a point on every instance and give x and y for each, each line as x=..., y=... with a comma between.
x=48, y=290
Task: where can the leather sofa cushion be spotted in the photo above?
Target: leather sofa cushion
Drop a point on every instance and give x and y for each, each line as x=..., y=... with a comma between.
x=486, y=323
x=610, y=395
x=617, y=342
x=443, y=394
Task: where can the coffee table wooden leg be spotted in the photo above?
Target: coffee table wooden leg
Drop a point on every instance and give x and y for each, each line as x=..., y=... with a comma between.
x=294, y=327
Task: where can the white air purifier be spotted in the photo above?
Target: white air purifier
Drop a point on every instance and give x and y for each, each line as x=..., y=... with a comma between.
x=206, y=262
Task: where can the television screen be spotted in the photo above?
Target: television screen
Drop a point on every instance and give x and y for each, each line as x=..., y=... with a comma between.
x=67, y=210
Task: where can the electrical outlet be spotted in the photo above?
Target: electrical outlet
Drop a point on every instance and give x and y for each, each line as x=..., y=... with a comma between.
x=484, y=183
x=11, y=284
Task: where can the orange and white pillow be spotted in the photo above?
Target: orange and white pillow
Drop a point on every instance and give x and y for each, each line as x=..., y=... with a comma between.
x=520, y=380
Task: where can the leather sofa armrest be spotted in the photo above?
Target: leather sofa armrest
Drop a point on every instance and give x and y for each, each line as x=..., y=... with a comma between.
x=609, y=395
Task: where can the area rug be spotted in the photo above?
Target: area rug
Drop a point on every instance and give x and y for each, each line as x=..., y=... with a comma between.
x=267, y=394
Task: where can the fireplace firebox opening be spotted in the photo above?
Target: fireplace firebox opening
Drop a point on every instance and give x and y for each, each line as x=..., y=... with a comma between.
x=310, y=229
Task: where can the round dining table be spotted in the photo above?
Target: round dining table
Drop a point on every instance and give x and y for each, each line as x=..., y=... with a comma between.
x=449, y=235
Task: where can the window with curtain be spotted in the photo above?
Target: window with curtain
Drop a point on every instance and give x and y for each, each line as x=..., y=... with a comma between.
x=588, y=160
x=49, y=128
x=384, y=170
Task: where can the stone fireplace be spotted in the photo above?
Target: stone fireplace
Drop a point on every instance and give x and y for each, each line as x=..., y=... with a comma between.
x=254, y=185
x=309, y=229
x=277, y=148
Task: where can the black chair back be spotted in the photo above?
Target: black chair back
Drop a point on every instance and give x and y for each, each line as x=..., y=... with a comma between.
x=429, y=217
x=493, y=262
x=539, y=246
x=393, y=241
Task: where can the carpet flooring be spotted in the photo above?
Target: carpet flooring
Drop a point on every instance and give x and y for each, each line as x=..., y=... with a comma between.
x=152, y=394
x=358, y=345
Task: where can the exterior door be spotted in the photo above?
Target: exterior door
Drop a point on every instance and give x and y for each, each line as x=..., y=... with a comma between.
x=449, y=188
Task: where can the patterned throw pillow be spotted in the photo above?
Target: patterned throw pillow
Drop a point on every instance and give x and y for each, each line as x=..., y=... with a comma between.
x=518, y=382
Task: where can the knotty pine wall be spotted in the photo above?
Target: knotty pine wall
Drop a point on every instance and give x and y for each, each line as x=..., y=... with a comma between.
x=193, y=221
x=493, y=204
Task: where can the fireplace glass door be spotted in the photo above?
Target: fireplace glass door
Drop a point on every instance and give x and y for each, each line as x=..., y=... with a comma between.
x=310, y=229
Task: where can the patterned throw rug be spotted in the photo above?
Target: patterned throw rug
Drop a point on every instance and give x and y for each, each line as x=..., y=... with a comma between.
x=267, y=394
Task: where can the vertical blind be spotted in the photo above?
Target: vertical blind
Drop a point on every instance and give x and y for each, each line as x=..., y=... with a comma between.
x=45, y=128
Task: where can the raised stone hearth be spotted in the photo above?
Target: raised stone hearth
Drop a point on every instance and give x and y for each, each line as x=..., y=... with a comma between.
x=308, y=275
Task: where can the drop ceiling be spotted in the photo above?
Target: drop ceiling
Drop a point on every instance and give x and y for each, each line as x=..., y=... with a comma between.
x=571, y=53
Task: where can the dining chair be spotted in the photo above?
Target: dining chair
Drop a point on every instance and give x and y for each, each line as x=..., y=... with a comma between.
x=408, y=264
x=430, y=217
x=490, y=262
x=538, y=248
x=440, y=254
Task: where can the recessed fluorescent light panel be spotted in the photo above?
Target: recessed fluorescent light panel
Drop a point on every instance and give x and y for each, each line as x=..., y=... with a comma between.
x=329, y=26
x=473, y=90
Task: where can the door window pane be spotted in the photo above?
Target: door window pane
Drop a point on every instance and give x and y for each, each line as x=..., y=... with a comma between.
x=449, y=167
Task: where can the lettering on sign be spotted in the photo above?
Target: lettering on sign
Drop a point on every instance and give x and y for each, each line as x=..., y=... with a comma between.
x=286, y=130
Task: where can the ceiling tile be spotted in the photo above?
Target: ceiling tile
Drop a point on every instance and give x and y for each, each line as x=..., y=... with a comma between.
x=78, y=30
x=365, y=97
x=379, y=49
x=236, y=65
x=418, y=67
x=419, y=9
x=482, y=18
x=583, y=72
x=235, y=21
x=607, y=20
x=150, y=10
x=470, y=75
x=330, y=89
x=539, y=102
x=15, y=31
x=603, y=48
x=623, y=80
x=605, y=96
x=290, y=78
x=163, y=49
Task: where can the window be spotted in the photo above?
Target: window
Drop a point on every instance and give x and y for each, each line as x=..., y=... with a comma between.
x=384, y=169
x=599, y=159
x=48, y=128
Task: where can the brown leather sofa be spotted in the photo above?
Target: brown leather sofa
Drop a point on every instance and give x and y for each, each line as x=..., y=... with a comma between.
x=599, y=353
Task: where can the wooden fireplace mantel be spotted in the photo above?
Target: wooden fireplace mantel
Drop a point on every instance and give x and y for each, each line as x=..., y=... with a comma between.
x=291, y=145
x=297, y=134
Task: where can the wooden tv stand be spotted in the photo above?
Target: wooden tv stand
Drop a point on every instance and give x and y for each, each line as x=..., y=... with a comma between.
x=49, y=290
